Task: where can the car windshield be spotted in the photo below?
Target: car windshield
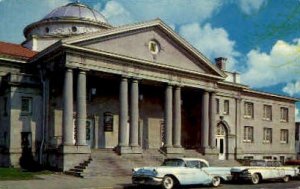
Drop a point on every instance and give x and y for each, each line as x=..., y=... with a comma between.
x=173, y=163
x=260, y=163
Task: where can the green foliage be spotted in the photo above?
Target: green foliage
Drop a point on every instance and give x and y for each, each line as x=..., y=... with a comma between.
x=19, y=174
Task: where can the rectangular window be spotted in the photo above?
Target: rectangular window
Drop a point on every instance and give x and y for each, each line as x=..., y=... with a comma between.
x=267, y=135
x=26, y=105
x=267, y=115
x=248, y=110
x=284, y=136
x=217, y=106
x=284, y=114
x=226, y=107
x=248, y=134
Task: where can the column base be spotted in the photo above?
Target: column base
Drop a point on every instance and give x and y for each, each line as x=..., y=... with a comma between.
x=71, y=156
x=129, y=150
x=173, y=150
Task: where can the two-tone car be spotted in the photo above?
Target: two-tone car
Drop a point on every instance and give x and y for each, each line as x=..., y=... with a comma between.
x=259, y=170
x=180, y=171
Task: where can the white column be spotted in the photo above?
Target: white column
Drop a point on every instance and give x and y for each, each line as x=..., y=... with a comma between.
x=68, y=108
x=134, y=113
x=123, y=113
x=205, y=119
x=81, y=108
x=212, y=120
x=177, y=117
x=168, y=116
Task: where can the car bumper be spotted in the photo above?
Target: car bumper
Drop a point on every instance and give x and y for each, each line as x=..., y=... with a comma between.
x=239, y=176
x=147, y=180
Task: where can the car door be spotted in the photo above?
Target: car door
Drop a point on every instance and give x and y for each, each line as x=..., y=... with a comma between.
x=195, y=174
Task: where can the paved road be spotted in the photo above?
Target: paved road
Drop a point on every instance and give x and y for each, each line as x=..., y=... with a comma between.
x=265, y=185
x=61, y=181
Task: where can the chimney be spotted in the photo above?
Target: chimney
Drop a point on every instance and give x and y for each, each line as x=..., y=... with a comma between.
x=221, y=63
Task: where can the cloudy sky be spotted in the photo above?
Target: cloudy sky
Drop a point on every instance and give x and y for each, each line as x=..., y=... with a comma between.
x=260, y=38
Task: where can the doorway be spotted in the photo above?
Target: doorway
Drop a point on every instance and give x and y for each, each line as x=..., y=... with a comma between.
x=221, y=141
x=89, y=132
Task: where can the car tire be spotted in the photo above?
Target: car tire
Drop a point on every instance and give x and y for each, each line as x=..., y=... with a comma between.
x=216, y=181
x=255, y=178
x=286, y=178
x=168, y=182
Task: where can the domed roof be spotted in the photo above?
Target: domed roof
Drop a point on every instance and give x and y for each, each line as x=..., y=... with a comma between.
x=77, y=11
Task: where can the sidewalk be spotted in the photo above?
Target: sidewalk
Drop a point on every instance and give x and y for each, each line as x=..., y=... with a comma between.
x=61, y=181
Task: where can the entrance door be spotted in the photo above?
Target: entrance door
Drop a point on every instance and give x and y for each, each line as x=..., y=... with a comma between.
x=221, y=142
x=89, y=132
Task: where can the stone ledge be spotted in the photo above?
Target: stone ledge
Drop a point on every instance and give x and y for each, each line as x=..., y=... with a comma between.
x=129, y=150
x=70, y=149
x=173, y=150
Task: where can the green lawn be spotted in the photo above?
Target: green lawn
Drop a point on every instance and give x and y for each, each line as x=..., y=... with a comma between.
x=19, y=174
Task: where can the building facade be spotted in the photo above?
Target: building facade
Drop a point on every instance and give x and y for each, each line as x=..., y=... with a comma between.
x=78, y=84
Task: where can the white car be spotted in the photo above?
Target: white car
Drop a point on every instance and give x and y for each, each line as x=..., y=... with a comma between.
x=180, y=171
x=259, y=170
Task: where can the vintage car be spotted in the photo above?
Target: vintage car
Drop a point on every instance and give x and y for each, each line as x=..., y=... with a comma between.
x=180, y=171
x=259, y=170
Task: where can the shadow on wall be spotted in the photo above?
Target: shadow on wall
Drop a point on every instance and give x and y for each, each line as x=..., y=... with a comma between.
x=26, y=159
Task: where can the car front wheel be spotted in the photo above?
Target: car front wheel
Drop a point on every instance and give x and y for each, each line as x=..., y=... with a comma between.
x=168, y=182
x=255, y=178
x=216, y=181
x=286, y=178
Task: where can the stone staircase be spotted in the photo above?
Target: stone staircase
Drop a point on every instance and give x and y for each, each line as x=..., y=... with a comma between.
x=105, y=162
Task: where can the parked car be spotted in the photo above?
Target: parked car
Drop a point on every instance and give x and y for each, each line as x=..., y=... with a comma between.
x=180, y=171
x=259, y=170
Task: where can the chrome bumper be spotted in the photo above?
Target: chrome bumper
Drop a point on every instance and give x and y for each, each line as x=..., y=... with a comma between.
x=146, y=180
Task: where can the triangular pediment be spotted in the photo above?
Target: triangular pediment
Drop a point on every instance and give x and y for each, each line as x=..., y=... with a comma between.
x=136, y=41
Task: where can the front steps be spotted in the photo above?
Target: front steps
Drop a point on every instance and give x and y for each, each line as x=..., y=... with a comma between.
x=106, y=162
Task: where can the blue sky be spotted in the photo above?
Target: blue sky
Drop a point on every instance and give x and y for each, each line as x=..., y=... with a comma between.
x=260, y=38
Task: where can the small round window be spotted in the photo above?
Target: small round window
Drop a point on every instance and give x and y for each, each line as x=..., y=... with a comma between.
x=74, y=29
x=47, y=30
x=154, y=47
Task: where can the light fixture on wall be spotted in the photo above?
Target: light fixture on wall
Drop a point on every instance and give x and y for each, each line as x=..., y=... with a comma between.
x=93, y=91
x=141, y=97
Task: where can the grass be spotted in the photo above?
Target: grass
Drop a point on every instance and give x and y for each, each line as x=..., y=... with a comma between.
x=19, y=174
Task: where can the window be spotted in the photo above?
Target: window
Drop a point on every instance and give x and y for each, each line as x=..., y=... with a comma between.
x=74, y=29
x=267, y=135
x=284, y=114
x=284, y=136
x=248, y=134
x=267, y=112
x=248, y=110
x=154, y=46
x=217, y=105
x=226, y=107
x=26, y=105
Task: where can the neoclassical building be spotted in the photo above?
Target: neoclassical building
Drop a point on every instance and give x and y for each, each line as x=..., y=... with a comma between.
x=77, y=84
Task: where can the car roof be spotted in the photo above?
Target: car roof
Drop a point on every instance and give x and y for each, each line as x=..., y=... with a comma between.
x=190, y=159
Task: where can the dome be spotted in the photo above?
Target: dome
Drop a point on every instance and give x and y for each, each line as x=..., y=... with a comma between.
x=70, y=19
x=76, y=11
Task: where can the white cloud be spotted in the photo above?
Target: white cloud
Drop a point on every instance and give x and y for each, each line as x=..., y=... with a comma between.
x=171, y=11
x=212, y=42
x=292, y=88
x=297, y=115
x=281, y=65
x=250, y=6
x=116, y=13
x=15, y=15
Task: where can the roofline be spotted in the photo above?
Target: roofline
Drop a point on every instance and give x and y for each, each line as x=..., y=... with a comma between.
x=10, y=59
x=270, y=94
x=151, y=23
